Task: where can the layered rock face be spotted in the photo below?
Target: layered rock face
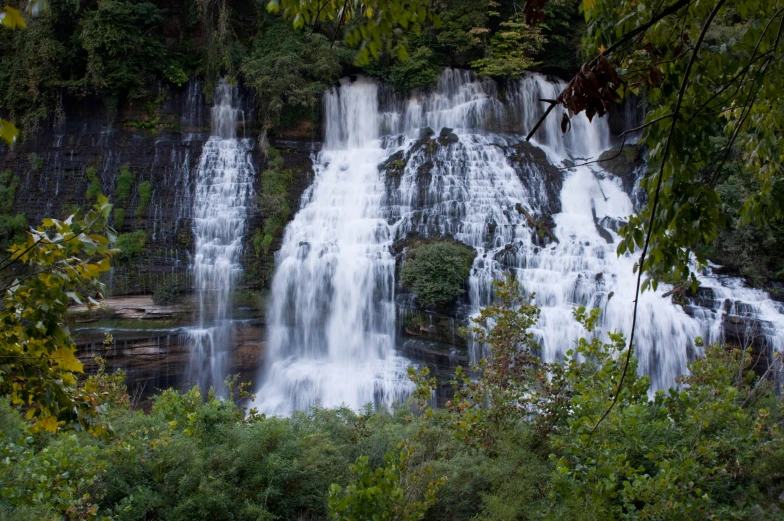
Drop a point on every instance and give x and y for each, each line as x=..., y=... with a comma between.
x=156, y=145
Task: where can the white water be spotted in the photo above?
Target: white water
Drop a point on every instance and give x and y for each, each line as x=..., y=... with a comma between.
x=224, y=187
x=331, y=336
x=331, y=320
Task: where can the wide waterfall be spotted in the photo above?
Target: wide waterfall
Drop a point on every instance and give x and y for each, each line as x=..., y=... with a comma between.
x=468, y=173
x=224, y=187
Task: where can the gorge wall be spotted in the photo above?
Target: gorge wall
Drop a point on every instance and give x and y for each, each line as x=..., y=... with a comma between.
x=157, y=145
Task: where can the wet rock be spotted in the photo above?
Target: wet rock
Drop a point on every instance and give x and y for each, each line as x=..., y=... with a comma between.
x=604, y=234
x=394, y=166
x=445, y=141
x=426, y=133
x=623, y=163
x=532, y=165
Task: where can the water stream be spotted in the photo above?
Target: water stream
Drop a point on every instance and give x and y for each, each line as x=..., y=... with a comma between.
x=224, y=188
x=469, y=174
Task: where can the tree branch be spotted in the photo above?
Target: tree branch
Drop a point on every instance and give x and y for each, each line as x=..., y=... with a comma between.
x=667, y=146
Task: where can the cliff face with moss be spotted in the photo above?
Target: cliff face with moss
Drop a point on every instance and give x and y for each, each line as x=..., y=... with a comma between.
x=145, y=162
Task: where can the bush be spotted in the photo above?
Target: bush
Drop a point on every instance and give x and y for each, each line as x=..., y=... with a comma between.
x=168, y=292
x=125, y=182
x=272, y=202
x=436, y=272
x=145, y=194
x=94, y=189
x=130, y=245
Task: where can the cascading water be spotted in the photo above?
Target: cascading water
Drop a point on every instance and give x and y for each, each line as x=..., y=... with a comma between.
x=469, y=174
x=331, y=323
x=224, y=186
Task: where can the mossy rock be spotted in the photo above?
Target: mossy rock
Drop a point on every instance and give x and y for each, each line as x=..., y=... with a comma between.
x=395, y=165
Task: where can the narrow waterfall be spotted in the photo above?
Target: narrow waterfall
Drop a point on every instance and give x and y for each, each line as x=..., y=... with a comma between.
x=469, y=174
x=224, y=187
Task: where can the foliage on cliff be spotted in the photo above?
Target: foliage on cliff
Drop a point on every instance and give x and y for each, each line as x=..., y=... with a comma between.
x=129, y=49
x=437, y=272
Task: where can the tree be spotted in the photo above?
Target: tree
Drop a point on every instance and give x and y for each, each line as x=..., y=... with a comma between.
x=60, y=262
x=371, y=25
x=511, y=50
x=395, y=492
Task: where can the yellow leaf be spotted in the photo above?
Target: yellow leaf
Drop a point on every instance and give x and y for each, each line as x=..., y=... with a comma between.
x=587, y=4
x=8, y=130
x=369, y=12
x=65, y=360
x=48, y=423
x=13, y=19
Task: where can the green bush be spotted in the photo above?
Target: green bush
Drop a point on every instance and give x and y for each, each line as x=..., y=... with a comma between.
x=272, y=201
x=130, y=245
x=125, y=182
x=119, y=217
x=170, y=291
x=145, y=194
x=94, y=189
x=436, y=272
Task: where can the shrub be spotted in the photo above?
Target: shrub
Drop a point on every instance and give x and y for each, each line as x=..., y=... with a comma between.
x=125, y=182
x=168, y=292
x=436, y=272
x=145, y=194
x=272, y=202
x=94, y=189
x=119, y=218
x=130, y=245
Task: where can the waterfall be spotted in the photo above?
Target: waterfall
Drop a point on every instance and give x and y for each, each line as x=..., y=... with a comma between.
x=331, y=322
x=224, y=187
x=469, y=174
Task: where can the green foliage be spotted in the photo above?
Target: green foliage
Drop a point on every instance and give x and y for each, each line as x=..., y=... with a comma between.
x=125, y=181
x=436, y=272
x=272, y=202
x=130, y=245
x=288, y=68
x=731, y=91
x=511, y=50
x=420, y=69
x=94, y=188
x=119, y=218
x=124, y=51
x=12, y=226
x=8, y=184
x=145, y=195
x=753, y=251
x=36, y=162
x=515, y=443
x=168, y=292
x=39, y=367
x=388, y=493
x=371, y=25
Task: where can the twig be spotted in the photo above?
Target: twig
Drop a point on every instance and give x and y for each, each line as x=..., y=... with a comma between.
x=316, y=18
x=641, y=265
x=553, y=104
x=626, y=37
x=340, y=23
